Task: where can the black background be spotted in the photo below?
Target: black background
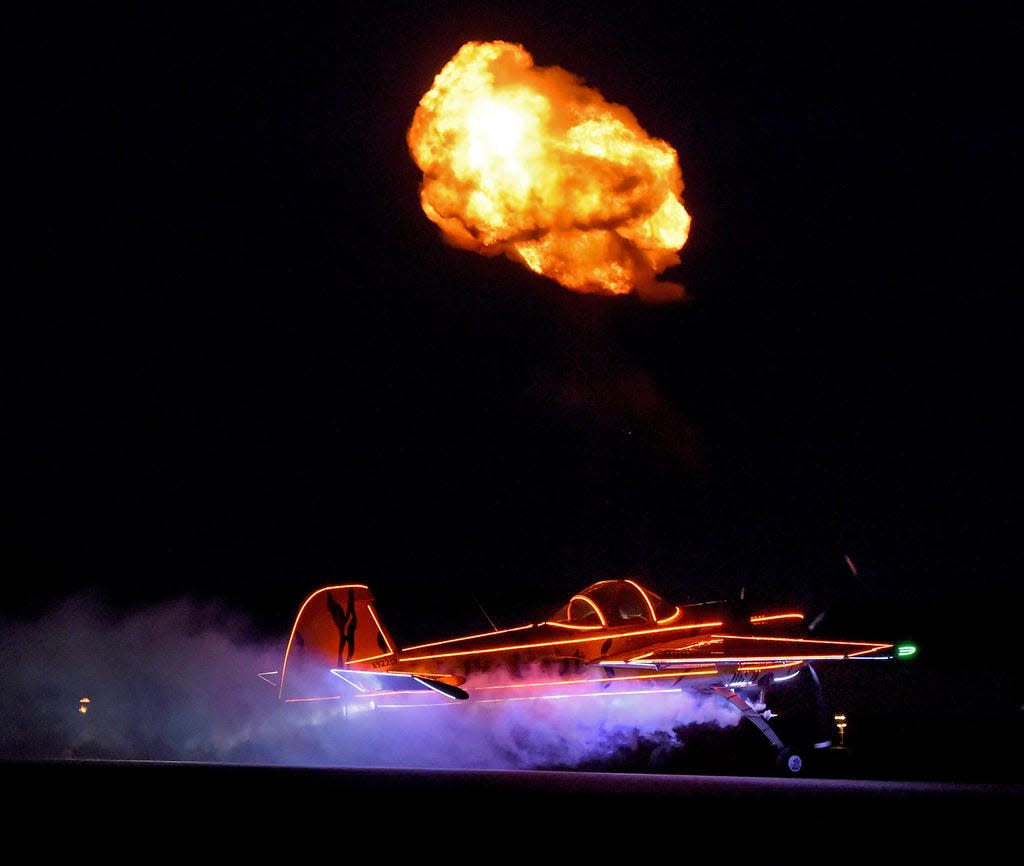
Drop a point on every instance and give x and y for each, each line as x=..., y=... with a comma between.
x=243, y=364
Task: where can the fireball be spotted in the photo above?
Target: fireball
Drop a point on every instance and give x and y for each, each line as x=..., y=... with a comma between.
x=530, y=163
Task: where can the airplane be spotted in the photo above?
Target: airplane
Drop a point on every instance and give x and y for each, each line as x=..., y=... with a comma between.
x=615, y=636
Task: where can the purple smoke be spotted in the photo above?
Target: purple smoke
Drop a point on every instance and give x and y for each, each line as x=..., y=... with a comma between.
x=180, y=681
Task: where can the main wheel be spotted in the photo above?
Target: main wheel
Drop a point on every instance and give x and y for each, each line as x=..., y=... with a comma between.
x=790, y=762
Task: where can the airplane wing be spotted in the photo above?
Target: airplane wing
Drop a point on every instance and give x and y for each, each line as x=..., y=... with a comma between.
x=750, y=651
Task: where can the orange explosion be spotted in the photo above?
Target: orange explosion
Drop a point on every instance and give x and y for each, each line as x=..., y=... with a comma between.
x=528, y=162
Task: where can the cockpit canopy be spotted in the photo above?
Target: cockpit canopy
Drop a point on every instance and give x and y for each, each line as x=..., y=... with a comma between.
x=615, y=602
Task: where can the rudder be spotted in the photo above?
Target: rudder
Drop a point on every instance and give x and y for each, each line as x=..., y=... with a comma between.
x=336, y=627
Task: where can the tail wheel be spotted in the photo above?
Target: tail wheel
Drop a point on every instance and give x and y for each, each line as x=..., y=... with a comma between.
x=790, y=762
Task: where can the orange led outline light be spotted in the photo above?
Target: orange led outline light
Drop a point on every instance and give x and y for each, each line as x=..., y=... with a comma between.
x=572, y=626
x=758, y=620
x=676, y=672
x=298, y=619
x=805, y=640
x=782, y=661
x=380, y=628
x=672, y=616
x=697, y=644
x=647, y=600
x=864, y=652
x=650, y=605
x=465, y=637
x=649, y=659
x=540, y=644
x=597, y=610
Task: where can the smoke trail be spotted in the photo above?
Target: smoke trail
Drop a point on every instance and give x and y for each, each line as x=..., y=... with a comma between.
x=169, y=682
x=180, y=682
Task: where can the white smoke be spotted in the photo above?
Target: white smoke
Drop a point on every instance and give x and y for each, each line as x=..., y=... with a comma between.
x=181, y=682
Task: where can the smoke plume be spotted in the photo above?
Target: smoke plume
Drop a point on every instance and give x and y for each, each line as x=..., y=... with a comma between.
x=181, y=681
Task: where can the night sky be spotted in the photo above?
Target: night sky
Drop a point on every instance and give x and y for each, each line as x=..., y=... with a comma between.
x=243, y=364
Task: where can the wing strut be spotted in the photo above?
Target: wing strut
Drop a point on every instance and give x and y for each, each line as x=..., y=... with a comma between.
x=756, y=719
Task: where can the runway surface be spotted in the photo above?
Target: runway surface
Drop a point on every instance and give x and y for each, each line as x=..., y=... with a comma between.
x=404, y=809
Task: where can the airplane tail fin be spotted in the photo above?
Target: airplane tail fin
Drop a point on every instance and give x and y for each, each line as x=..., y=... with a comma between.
x=337, y=628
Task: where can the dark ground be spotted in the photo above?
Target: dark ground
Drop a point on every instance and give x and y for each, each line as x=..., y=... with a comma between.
x=390, y=812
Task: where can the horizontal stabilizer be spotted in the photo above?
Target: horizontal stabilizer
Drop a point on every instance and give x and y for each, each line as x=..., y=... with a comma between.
x=378, y=681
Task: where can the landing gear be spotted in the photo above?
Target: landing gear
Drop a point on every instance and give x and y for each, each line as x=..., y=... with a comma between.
x=789, y=760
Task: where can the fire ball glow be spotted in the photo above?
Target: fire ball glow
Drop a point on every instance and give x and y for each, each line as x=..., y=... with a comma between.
x=530, y=163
